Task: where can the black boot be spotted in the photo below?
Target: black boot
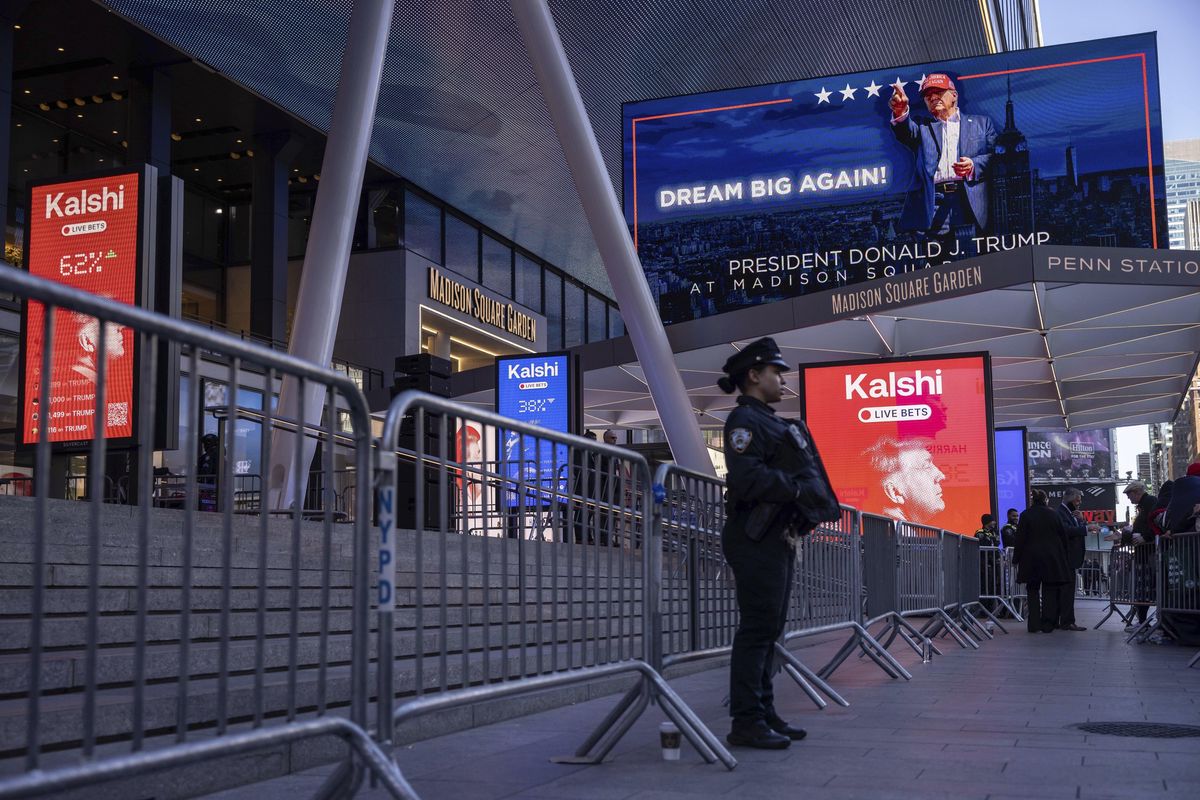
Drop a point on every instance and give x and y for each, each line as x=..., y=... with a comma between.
x=756, y=734
x=777, y=724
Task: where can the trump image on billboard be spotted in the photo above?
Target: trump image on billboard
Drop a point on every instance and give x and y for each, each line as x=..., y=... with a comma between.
x=906, y=438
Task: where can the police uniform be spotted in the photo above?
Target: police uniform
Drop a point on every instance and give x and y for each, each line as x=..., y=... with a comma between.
x=762, y=569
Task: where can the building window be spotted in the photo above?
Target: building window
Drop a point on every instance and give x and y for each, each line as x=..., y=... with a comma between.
x=573, y=311
x=597, y=320
x=384, y=218
x=422, y=227
x=529, y=283
x=462, y=247
x=497, y=266
x=616, y=325
x=554, y=314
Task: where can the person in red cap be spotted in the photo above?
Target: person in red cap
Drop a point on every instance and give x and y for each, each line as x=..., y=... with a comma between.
x=948, y=198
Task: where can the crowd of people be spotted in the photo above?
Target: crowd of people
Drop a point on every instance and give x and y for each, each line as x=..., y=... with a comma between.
x=1049, y=552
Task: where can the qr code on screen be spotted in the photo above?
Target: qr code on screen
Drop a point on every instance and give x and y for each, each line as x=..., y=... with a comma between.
x=118, y=414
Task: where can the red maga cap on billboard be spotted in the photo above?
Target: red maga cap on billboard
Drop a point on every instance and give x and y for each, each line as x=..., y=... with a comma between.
x=937, y=80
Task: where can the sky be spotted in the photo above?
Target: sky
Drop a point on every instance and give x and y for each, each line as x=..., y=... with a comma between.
x=1178, y=25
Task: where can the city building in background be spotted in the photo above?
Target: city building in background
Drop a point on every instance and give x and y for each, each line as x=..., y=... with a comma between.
x=1145, y=469
x=1183, y=185
x=1185, y=432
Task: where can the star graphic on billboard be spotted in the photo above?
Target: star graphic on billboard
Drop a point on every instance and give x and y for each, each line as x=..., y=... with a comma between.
x=872, y=89
x=899, y=84
x=847, y=93
x=822, y=96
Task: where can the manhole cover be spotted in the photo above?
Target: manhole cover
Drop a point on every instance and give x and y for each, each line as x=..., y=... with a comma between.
x=1148, y=730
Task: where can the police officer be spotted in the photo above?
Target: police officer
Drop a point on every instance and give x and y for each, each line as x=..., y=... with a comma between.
x=757, y=547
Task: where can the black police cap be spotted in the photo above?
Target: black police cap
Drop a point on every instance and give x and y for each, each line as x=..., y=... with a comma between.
x=755, y=354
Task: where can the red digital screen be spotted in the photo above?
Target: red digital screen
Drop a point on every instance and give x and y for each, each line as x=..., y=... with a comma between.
x=82, y=233
x=908, y=439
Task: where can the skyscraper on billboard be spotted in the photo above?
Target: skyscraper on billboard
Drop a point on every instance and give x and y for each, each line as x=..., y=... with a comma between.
x=1012, y=181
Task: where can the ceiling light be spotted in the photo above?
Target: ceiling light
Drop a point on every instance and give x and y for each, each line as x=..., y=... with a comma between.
x=54, y=140
x=235, y=155
x=199, y=120
x=20, y=124
x=302, y=179
x=239, y=141
x=61, y=50
x=80, y=116
x=79, y=101
x=250, y=153
x=17, y=28
x=294, y=169
x=27, y=91
x=115, y=133
x=97, y=99
x=220, y=180
x=116, y=77
x=116, y=95
x=220, y=211
x=195, y=169
x=44, y=106
x=175, y=137
x=61, y=103
x=317, y=177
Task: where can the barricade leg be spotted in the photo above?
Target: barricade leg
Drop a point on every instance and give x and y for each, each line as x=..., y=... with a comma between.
x=609, y=729
x=806, y=678
x=987, y=612
x=870, y=646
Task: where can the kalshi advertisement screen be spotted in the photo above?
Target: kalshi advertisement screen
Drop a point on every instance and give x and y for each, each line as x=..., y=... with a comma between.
x=82, y=233
x=908, y=439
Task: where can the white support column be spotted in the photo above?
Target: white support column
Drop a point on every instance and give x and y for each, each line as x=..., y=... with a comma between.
x=612, y=237
x=327, y=257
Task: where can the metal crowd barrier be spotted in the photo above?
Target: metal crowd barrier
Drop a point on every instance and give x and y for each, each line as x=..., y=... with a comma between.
x=464, y=619
x=998, y=577
x=828, y=597
x=700, y=612
x=1131, y=581
x=1179, y=581
x=922, y=578
x=964, y=591
x=268, y=640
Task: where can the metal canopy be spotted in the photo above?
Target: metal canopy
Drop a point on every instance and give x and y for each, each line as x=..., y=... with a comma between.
x=1078, y=349
x=460, y=112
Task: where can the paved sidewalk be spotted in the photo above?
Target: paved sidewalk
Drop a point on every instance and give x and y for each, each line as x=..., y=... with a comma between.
x=991, y=724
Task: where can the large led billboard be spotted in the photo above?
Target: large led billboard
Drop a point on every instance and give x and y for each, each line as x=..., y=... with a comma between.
x=87, y=233
x=1012, y=477
x=1081, y=456
x=906, y=438
x=536, y=390
x=746, y=196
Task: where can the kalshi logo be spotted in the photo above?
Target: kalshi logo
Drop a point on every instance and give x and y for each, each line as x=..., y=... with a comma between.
x=919, y=383
x=547, y=369
x=62, y=205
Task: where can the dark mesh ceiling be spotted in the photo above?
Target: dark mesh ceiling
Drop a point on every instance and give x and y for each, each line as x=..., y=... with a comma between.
x=461, y=115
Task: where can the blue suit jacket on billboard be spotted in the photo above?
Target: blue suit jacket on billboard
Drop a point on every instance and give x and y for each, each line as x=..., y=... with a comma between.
x=923, y=135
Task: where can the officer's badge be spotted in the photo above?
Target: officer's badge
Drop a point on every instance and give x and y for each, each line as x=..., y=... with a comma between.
x=740, y=439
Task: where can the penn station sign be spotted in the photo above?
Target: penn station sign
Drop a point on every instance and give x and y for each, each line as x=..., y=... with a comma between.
x=476, y=303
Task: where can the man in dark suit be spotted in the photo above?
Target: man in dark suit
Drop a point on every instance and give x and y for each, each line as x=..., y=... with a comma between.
x=1076, y=529
x=948, y=199
x=1041, y=558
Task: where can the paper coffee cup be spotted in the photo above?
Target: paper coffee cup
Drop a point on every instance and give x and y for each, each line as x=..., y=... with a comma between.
x=669, y=735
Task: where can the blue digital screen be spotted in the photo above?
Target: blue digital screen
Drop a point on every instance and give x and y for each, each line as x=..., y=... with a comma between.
x=535, y=390
x=747, y=196
x=1010, y=472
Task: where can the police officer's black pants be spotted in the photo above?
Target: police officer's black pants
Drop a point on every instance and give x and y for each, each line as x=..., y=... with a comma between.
x=763, y=575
